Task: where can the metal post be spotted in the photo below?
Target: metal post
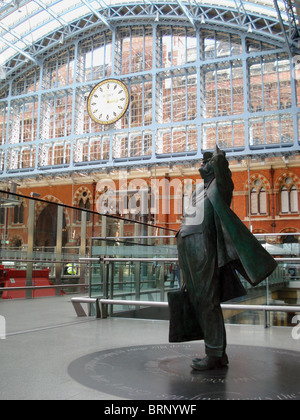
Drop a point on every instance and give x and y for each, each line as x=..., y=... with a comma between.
x=82, y=250
x=150, y=266
x=137, y=280
x=105, y=266
x=112, y=272
x=162, y=281
x=103, y=229
x=59, y=228
x=267, y=317
x=121, y=266
x=30, y=236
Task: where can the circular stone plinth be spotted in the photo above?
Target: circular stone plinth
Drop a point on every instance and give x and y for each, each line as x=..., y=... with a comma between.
x=163, y=372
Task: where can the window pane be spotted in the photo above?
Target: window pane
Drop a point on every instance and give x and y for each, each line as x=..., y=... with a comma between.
x=284, y=200
x=209, y=136
x=225, y=135
x=256, y=92
x=284, y=76
x=256, y=132
x=224, y=90
x=209, y=92
x=237, y=88
x=254, y=201
x=262, y=202
x=294, y=200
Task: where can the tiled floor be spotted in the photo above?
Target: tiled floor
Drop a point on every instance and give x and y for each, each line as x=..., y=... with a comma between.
x=44, y=336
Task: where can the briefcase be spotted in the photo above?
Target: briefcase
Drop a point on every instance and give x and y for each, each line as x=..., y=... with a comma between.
x=183, y=320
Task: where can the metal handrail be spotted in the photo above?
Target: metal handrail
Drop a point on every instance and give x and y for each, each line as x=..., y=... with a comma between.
x=116, y=238
x=50, y=286
x=225, y=306
x=257, y=235
x=102, y=259
x=264, y=308
x=44, y=261
x=112, y=259
x=87, y=260
x=260, y=235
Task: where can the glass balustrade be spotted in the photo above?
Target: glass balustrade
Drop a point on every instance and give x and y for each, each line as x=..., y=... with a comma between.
x=49, y=249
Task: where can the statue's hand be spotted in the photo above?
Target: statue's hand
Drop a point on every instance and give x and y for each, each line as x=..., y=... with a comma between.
x=217, y=156
x=183, y=287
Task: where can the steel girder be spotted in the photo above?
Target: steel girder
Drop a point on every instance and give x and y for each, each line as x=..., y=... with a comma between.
x=292, y=32
x=188, y=12
x=185, y=13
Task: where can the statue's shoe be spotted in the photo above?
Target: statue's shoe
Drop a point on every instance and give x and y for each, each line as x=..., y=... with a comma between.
x=210, y=363
x=225, y=360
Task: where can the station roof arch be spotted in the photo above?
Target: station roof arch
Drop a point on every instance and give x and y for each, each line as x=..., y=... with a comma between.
x=29, y=28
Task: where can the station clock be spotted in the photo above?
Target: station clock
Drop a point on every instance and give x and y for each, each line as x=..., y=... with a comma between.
x=108, y=101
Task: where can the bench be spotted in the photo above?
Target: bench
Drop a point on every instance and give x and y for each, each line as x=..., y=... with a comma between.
x=77, y=301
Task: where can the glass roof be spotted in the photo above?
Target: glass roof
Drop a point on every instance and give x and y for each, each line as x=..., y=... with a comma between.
x=25, y=22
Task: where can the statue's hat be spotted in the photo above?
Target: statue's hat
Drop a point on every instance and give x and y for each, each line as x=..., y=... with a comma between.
x=207, y=156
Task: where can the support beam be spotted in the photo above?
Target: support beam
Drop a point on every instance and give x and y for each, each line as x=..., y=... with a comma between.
x=290, y=38
x=14, y=33
x=51, y=13
x=294, y=30
x=96, y=13
x=19, y=50
x=186, y=12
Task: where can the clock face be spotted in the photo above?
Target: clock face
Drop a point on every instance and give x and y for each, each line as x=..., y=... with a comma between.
x=108, y=101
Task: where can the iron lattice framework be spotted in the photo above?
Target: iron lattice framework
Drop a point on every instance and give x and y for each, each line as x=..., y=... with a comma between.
x=198, y=73
x=291, y=33
x=260, y=22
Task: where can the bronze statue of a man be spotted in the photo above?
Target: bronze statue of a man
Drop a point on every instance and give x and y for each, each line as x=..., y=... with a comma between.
x=212, y=245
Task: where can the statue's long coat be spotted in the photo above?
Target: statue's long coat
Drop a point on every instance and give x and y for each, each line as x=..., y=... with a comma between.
x=237, y=249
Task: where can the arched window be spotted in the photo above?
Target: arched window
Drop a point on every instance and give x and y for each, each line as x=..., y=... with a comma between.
x=2, y=215
x=84, y=203
x=289, y=197
x=19, y=214
x=258, y=199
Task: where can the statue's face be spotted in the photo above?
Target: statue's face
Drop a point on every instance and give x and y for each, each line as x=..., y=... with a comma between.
x=207, y=171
